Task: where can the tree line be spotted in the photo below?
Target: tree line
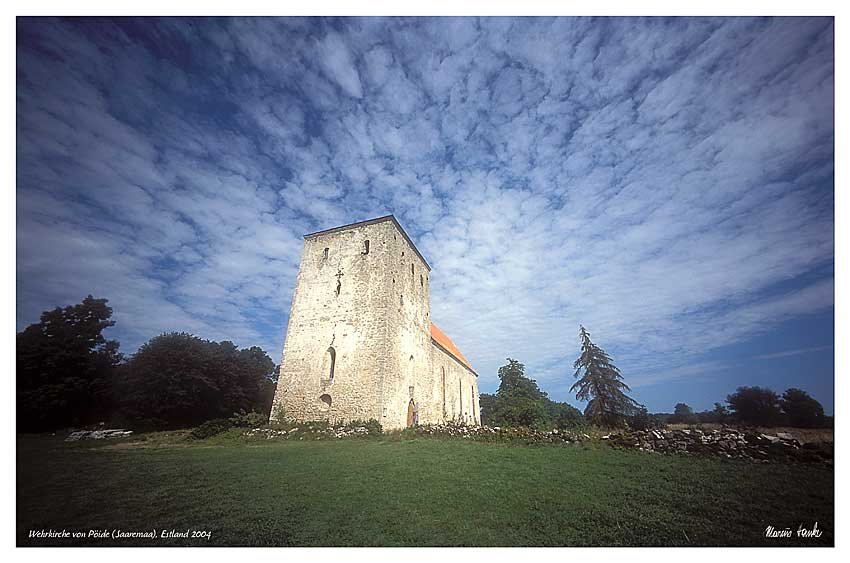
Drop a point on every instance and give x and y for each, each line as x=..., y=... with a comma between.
x=70, y=375
x=757, y=406
x=520, y=402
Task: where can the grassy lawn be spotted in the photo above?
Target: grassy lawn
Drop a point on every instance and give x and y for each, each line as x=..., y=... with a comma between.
x=414, y=492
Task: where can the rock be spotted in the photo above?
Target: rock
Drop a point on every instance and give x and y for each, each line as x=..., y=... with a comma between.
x=97, y=434
x=727, y=443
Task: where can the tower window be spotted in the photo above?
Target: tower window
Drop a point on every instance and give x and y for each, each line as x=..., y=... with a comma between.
x=325, y=402
x=401, y=299
x=365, y=247
x=325, y=254
x=339, y=275
x=331, y=362
x=443, y=380
x=411, y=270
x=421, y=281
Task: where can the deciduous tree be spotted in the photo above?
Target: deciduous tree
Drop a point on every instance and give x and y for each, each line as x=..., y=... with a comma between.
x=520, y=402
x=178, y=379
x=755, y=405
x=65, y=367
x=801, y=409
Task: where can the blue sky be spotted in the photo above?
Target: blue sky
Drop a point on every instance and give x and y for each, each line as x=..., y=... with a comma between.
x=668, y=183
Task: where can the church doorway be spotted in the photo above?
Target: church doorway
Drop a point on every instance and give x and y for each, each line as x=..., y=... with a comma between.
x=411, y=413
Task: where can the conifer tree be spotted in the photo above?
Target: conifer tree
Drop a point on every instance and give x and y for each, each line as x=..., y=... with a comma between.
x=601, y=384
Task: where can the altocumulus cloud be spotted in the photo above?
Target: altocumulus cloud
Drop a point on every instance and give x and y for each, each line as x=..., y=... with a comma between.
x=668, y=183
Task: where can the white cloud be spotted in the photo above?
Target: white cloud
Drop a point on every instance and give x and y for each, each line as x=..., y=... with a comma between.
x=652, y=180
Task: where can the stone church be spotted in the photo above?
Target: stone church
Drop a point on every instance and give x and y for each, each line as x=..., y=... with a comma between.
x=360, y=343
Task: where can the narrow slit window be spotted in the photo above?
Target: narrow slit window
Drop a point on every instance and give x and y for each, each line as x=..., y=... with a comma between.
x=331, y=362
x=365, y=247
x=421, y=281
x=411, y=270
x=443, y=381
x=325, y=254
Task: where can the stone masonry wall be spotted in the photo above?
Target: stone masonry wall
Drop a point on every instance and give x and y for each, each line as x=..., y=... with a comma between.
x=460, y=396
x=409, y=330
x=379, y=327
x=353, y=323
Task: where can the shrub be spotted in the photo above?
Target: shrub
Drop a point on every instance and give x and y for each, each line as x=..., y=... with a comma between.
x=211, y=428
x=373, y=426
x=642, y=420
x=251, y=419
x=278, y=413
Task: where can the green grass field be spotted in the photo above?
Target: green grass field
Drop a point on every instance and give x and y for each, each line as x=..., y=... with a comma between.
x=410, y=492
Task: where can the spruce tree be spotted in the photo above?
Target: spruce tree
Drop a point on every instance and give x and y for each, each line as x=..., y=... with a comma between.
x=601, y=384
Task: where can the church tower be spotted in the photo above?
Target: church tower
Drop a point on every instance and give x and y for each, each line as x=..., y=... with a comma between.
x=360, y=343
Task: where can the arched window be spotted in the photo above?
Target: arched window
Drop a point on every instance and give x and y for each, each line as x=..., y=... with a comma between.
x=331, y=362
x=325, y=402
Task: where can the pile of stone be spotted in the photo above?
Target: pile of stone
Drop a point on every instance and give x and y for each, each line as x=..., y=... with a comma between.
x=309, y=432
x=496, y=433
x=97, y=434
x=728, y=443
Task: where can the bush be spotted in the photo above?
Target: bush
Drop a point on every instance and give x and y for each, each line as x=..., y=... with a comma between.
x=278, y=414
x=642, y=420
x=252, y=419
x=373, y=426
x=211, y=428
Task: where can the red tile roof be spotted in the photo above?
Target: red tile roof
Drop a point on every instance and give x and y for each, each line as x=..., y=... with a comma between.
x=446, y=343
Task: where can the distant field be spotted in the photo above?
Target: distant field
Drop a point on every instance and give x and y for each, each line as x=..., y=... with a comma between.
x=389, y=491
